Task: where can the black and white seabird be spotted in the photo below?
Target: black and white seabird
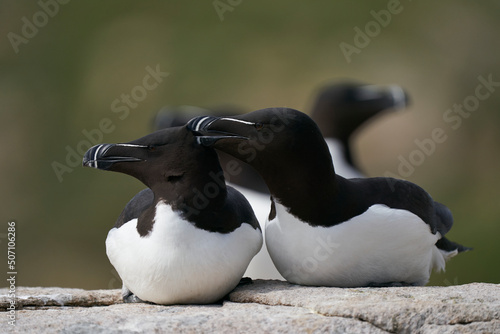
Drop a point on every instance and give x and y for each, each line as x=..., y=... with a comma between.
x=342, y=108
x=326, y=230
x=187, y=238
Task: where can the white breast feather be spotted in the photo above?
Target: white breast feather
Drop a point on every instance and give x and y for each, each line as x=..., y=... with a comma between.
x=261, y=266
x=382, y=245
x=179, y=263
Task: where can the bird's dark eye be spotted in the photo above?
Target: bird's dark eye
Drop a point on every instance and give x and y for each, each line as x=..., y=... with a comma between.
x=151, y=148
x=258, y=126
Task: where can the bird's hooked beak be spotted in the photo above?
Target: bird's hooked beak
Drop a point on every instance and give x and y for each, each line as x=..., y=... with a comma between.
x=204, y=128
x=397, y=98
x=103, y=156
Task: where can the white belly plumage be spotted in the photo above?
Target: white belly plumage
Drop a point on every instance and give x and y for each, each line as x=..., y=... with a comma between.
x=382, y=245
x=177, y=263
x=261, y=266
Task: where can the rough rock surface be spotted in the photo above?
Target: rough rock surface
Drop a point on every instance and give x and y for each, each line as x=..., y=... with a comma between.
x=264, y=306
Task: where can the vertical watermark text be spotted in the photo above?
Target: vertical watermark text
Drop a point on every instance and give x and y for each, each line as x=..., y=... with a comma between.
x=11, y=272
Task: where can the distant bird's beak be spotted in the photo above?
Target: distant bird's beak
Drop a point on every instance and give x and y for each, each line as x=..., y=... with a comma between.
x=397, y=98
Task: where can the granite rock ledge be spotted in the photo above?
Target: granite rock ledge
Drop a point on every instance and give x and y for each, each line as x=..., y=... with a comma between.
x=264, y=306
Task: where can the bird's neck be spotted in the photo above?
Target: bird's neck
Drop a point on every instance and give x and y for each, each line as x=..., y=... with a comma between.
x=307, y=188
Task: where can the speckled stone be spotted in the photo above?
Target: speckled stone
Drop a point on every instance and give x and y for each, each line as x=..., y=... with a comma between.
x=265, y=307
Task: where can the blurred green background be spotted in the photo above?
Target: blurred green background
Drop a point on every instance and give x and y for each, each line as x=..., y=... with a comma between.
x=65, y=77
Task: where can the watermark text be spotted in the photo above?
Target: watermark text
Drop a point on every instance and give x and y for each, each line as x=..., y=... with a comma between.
x=453, y=119
x=11, y=272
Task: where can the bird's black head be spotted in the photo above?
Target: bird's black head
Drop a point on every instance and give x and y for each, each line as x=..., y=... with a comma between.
x=260, y=135
x=161, y=158
x=284, y=145
x=236, y=172
x=340, y=108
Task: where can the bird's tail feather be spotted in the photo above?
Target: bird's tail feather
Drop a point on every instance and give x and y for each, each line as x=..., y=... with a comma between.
x=448, y=245
x=443, y=251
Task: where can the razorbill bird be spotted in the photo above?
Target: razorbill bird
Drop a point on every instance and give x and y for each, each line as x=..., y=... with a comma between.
x=326, y=230
x=188, y=238
x=342, y=108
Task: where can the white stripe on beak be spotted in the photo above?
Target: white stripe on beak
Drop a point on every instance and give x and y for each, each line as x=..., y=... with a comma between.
x=398, y=95
x=131, y=145
x=198, y=125
x=235, y=120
